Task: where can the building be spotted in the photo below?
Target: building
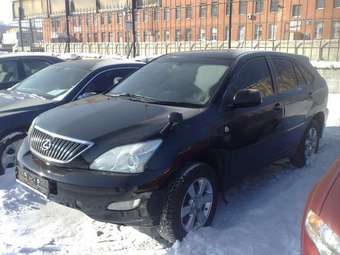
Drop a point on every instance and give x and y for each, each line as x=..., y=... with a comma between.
x=186, y=20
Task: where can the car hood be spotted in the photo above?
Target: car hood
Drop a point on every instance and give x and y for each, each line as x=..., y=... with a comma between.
x=12, y=101
x=330, y=211
x=109, y=118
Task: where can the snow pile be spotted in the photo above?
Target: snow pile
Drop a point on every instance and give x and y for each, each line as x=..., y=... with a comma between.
x=263, y=216
x=326, y=64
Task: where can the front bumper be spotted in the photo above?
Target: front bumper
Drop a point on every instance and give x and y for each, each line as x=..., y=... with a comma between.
x=92, y=192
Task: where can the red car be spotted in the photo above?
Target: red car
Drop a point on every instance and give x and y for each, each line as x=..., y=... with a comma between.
x=321, y=222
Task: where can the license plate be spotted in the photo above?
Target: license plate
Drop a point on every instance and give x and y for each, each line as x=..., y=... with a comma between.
x=33, y=181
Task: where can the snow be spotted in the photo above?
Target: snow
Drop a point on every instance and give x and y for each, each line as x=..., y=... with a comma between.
x=326, y=64
x=263, y=215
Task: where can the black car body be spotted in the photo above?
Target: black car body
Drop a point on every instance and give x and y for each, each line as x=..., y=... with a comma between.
x=259, y=107
x=56, y=85
x=17, y=67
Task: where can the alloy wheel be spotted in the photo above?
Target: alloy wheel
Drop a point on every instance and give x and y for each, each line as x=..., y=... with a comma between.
x=8, y=157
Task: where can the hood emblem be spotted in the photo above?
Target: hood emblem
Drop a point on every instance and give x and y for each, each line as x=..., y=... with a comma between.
x=46, y=144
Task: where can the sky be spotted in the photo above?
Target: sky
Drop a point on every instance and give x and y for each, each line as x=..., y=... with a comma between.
x=5, y=11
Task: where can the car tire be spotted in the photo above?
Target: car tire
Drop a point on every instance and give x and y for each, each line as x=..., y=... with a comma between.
x=180, y=207
x=308, y=146
x=9, y=146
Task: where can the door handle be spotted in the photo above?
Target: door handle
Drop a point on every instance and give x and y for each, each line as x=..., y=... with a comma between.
x=278, y=107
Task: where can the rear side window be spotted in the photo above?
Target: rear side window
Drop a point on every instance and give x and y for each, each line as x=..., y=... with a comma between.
x=32, y=66
x=306, y=74
x=9, y=71
x=255, y=75
x=301, y=80
x=286, y=78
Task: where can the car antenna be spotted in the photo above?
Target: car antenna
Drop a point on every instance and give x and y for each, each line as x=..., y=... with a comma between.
x=174, y=119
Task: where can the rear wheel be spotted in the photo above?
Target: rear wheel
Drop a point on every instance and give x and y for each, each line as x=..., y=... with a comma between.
x=191, y=202
x=9, y=147
x=308, y=147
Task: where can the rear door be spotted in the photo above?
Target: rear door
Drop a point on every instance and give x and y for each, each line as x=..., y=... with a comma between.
x=294, y=94
x=252, y=130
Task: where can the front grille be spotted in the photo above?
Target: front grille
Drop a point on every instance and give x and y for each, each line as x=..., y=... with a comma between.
x=56, y=148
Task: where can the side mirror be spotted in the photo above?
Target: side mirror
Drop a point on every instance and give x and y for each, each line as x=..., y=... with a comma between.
x=87, y=94
x=247, y=98
x=117, y=80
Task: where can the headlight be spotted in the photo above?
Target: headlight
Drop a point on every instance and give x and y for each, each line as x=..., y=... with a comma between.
x=326, y=241
x=126, y=159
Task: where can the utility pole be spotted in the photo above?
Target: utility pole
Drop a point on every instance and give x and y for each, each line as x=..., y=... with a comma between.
x=67, y=15
x=230, y=3
x=133, y=6
x=21, y=14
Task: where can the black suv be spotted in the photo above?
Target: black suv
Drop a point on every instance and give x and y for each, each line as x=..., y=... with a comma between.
x=156, y=149
x=18, y=66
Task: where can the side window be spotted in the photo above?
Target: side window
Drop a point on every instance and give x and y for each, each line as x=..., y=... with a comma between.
x=306, y=74
x=286, y=77
x=255, y=75
x=32, y=66
x=104, y=81
x=9, y=71
x=301, y=80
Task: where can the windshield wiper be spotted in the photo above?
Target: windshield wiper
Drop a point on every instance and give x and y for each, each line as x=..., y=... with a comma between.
x=151, y=100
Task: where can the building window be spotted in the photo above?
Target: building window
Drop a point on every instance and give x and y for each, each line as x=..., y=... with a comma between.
x=336, y=3
x=214, y=34
x=320, y=4
x=95, y=37
x=272, y=31
x=226, y=33
x=178, y=12
x=214, y=9
x=241, y=33
x=227, y=9
x=88, y=39
x=318, y=30
x=166, y=37
x=202, y=35
x=188, y=34
x=188, y=12
x=274, y=5
x=166, y=14
x=145, y=16
x=138, y=39
x=109, y=18
x=258, y=6
x=157, y=14
x=296, y=11
x=88, y=20
x=95, y=20
x=102, y=19
x=178, y=35
x=258, y=32
x=336, y=30
x=242, y=7
x=103, y=37
x=119, y=18
x=203, y=11
x=110, y=36
x=157, y=36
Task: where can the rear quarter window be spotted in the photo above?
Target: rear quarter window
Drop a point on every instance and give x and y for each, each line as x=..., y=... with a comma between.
x=309, y=77
x=285, y=75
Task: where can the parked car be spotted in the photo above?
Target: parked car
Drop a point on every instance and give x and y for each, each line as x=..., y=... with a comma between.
x=156, y=149
x=17, y=67
x=320, y=233
x=49, y=88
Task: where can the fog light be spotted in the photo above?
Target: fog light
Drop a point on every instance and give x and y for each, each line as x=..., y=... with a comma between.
x=124, y=206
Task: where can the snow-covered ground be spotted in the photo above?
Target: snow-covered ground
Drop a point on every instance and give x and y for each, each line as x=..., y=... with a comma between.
x=262, y=217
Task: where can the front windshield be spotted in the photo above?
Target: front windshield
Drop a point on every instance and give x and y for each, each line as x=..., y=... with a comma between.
x=176, y=80
x=52, y=81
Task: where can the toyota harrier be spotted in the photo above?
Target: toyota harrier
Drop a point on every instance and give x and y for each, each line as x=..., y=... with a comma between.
x=156, y=149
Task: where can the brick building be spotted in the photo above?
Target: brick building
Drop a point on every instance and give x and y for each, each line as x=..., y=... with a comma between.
x=192, y=20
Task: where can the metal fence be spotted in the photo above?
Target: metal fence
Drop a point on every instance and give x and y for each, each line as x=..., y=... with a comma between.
x=311, y=28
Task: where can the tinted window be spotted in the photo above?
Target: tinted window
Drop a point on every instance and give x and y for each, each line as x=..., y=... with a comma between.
x=306, y=74
x=9, y=71
x=286, y=78
x=32, y=66
x=300, y=78
x=105, y=81
x=176, y=80
x=255, y=75
x=52, y=81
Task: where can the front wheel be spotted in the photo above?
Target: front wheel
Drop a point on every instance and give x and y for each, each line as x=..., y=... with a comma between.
x=308, y=147
x=191, y=202
x=9, y=147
